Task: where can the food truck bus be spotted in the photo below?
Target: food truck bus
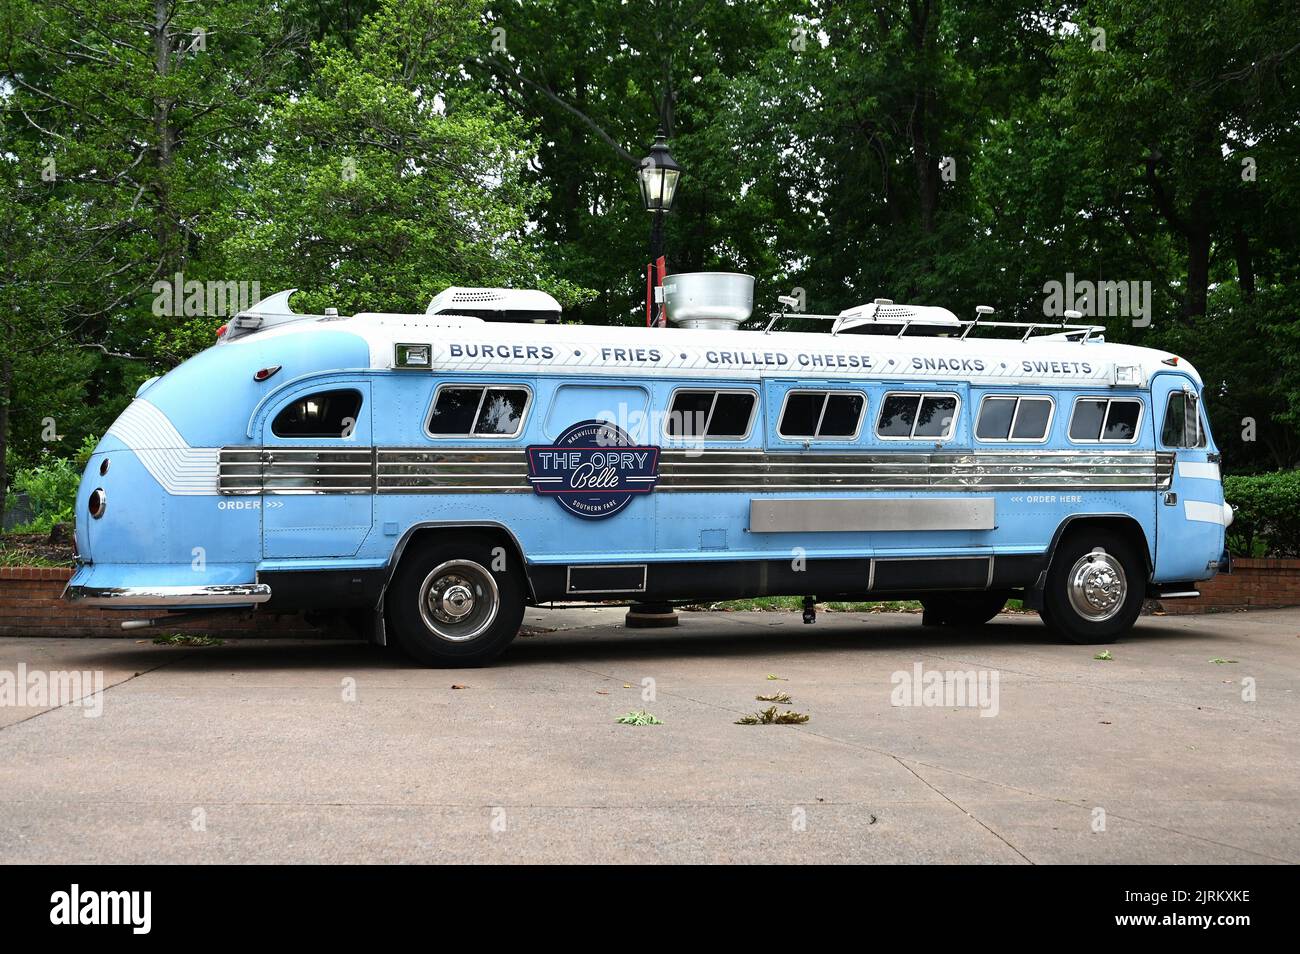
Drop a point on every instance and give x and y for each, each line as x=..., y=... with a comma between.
x=428, y=476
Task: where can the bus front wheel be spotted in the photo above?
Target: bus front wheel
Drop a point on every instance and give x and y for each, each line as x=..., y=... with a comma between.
x=1094, y=587
x=455, y=603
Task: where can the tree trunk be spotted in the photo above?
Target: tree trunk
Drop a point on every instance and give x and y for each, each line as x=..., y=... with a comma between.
x=1198, y=270
x=165, y=225
x=6, y=384
x=923, y=13
x=1245, y=263
x=926, y=174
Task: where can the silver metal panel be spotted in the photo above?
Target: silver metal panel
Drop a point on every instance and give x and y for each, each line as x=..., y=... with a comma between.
x=853, y=514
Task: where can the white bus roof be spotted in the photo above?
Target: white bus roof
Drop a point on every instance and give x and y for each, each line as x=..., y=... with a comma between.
x=464, y=343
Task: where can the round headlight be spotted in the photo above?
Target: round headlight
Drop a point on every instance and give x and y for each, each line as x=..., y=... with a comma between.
x=103, y=467
x=98, y=502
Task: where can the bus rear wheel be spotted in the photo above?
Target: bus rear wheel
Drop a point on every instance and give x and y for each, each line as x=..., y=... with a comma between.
x=1094, y=588
x=449, y=608
x=962, y=609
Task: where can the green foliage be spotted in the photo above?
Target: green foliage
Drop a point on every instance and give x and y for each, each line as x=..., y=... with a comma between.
x=51, y=489
x=385, y=185
x=21, y=556
x=1267, y=521
x=638, y=717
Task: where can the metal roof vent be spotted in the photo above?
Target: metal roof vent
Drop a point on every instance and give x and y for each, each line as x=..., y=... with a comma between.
x=712, y=300
x=496, y=304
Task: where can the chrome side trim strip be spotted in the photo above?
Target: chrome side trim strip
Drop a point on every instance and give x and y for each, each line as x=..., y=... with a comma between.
x=405, y=470
x=162, y=597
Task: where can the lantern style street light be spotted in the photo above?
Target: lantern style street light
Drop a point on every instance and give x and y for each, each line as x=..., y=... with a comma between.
x=658, y=176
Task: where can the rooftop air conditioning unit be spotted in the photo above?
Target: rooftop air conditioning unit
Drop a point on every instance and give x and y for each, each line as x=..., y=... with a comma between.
x=497, y=304
x=882, y=315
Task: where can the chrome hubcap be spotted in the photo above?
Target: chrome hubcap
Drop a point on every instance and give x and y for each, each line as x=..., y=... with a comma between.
x=1097, y=586
x=458, y=600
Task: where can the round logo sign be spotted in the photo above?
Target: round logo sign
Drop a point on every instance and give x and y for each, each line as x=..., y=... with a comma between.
x=593, y=469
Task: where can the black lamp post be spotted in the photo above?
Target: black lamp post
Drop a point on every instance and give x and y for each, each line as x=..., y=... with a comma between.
x=658, y=175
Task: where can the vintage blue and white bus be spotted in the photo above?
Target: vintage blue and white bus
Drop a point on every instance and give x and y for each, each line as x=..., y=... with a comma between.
x=428, y=476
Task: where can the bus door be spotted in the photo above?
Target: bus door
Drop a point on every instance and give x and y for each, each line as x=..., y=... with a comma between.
x=317, y=471
x=1190, y=518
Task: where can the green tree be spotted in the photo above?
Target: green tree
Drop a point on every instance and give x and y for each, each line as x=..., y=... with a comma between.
x=387, y=181
x=123, y=124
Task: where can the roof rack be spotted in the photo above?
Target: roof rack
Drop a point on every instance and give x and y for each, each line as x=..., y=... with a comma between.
x=867, y=316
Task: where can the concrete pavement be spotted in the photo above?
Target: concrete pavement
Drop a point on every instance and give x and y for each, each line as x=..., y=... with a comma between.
x=297, y=751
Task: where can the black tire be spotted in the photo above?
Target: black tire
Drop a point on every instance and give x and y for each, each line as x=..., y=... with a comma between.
x=470, y=613
x=962, y=608
x=1085, y=599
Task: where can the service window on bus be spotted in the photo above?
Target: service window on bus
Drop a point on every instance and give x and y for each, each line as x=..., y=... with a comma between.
x=916, y=416
x=822, y=415
x=478, y=411
x=1006, y=417
x=711, y=414
x=1182, y=426
x=1105, y=420
x=323, y=414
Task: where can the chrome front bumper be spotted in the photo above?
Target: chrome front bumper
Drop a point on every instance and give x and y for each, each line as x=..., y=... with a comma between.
x=166, y=597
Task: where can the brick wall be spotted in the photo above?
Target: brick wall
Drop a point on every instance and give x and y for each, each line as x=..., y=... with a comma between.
x=1252, y=583
x=31, y=605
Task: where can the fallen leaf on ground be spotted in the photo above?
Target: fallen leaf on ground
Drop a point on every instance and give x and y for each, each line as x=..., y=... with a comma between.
x=770, y=716
x=640, y=717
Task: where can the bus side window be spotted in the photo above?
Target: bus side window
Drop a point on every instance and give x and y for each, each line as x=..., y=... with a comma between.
x=717, y=415
x=1105, y=420
x=824, y=415
x=478, y=411
x=323, y=414
x=915, y=416
x=1010, y=418
x=1182, y=426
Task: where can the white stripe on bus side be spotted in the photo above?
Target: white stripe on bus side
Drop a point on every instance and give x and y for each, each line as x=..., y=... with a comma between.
x=1204, y=512
x=180, y=470
x=1200, y=471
